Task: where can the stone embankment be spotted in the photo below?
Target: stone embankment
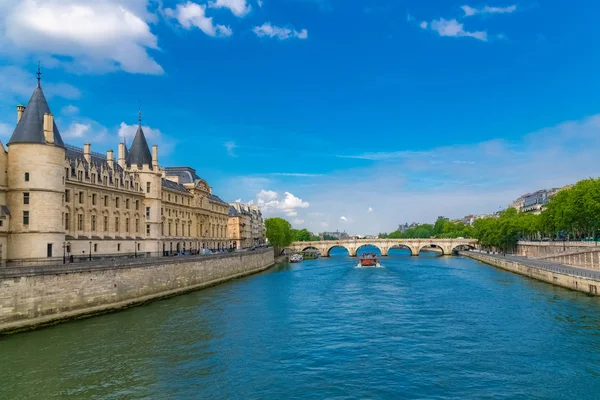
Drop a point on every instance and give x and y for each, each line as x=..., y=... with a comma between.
x=31, y=297
x=579, y=279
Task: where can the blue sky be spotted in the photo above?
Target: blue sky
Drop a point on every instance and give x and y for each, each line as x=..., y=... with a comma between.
x=366, y=113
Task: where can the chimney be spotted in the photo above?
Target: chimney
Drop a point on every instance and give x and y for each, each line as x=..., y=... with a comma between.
x=49, y=128
x=20, y=111
x=155, y=156
x=87, y=152
x=110, y=160
x=121, y=154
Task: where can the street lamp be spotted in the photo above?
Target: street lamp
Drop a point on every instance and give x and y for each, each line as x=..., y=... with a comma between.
x=64, y=252
x=135, y=249
x=90, y=251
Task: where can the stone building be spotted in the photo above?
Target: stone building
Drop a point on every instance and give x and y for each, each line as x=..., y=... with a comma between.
x=258, y=225
x=58, y=200
x=239, y=226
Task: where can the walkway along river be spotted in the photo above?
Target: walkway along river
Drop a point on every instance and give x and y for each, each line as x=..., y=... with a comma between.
x=426, y=327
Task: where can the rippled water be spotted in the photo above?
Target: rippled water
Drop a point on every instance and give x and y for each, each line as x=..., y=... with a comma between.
x=420, y=327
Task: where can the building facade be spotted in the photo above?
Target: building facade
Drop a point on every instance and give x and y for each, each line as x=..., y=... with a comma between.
x=58, y=200
x=239, y=226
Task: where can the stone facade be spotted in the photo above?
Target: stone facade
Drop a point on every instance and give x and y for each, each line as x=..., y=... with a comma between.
x=246, y=226
x=58, y=201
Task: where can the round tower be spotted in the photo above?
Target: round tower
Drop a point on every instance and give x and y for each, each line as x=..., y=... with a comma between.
x=36, y=183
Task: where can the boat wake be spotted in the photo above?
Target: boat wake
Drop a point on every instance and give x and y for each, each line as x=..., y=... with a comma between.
x=368, y=266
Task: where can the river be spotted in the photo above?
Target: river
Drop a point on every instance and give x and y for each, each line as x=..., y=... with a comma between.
x=418, y=327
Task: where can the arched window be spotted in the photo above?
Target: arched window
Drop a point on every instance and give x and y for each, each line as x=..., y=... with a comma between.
x=26, y=176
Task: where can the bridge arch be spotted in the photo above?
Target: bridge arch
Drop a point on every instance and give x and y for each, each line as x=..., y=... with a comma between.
x=460, y=247
x=400, y=246
x=435, y=248
x=370, y=245
x=336, y=246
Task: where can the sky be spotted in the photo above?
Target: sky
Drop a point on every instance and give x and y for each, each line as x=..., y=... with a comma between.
x=353, y=115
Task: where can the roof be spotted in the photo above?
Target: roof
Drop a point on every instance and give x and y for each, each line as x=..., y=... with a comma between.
x=139, y=153
x=233, y=212
x=30, y=128
x=185, y=174
x=216, y=199
x=174, y=186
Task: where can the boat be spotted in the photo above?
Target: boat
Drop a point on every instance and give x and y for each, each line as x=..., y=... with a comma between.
x=310, y=255
x=296, y=258
x=368, y=260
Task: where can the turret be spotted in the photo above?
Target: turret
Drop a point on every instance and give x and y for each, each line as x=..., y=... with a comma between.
x=110, y=159
x=122, y=154
x=154, y=156
x=35, y=171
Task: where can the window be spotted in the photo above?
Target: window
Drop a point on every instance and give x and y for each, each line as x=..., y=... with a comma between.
x=176, y=199
x=93, y=178
x=137, y=187
x=127, y=185
x=162, y=211
x=162, y=228
x=119, y=247
x=49, y=250
x=105, y=201
x=26, y=198
x=80, y=175
x=117, y=202
x=137, y=225
x=25, y=217
x=117, y=182
x=116, y=224
x=138, y=247
x=169, y=196
x=94, y=199
x=67, y=196
x=79, y=222
x=176, y=229
x=105, y=223
x=147, y=229
x=182, y=229
x=80, y=197
x=1, y=222
x=67, y=221
x=137, y=205
x=147, y=212
x=104, y=180
x=127, y=225
x=26, y=176
x=147, y=187
x=169, y=229
x=95, y=247
x=93, y=223
x=127, y=204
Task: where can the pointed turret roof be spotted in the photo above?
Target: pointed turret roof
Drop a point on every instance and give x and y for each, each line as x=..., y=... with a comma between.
x=30, y=128
x=139, y=153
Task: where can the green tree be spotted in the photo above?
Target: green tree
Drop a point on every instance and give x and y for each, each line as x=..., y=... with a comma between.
x=279, y=232
x=302, y=235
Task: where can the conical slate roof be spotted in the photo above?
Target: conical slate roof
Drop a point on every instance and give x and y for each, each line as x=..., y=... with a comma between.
x=139, y=153
x=30, y=128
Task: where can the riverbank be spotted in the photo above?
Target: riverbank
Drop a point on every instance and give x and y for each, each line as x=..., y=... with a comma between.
x=579, y=279
x=32, y=297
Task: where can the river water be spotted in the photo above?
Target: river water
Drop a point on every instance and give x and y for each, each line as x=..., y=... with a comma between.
x=419, y=327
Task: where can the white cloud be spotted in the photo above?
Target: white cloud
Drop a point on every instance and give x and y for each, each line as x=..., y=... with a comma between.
x=238, y=201
x=17, y=85
x=97, y=36
x=239, y=8
x=259, y=2
x=343, y=218
x=370, y=209
x=470, y=11
x=5, y=131
x=230, y=147
x=453, y=28
x=76, y=130
x=297, y=221
x=289, y=206
x=69, y=110
x=273, y=31
x=194, y=15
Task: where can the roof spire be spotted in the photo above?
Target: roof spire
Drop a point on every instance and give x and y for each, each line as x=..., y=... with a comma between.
x=139, y=114
x=39, y=73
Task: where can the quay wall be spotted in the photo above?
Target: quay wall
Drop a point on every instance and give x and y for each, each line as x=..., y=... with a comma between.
x=31, y=297
x=568, y=281
x=545, y=249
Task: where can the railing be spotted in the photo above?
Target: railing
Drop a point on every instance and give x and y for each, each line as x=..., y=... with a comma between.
x=557, y=243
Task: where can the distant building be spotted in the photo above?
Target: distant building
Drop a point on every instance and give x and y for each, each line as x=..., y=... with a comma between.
x=535, y=202
x=406, y=226
x=337, y=234
x=245, y=226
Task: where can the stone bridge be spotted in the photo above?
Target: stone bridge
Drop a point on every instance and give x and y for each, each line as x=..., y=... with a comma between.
x=384, y=245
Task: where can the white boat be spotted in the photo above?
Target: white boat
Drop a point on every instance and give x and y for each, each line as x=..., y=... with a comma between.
x=296, y=258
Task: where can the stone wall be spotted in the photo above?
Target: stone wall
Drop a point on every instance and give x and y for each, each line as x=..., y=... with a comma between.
x=544, y=249
x=578, y=283
x=31, y=297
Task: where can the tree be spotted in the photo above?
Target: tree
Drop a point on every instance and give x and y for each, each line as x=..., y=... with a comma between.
x=302, y=235
x=279, y=232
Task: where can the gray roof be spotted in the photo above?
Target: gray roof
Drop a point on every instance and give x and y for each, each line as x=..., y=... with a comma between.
x=186, y=174
x=30, y=128
x=174, y=186
x=233, y=212
x=139, y=153
x=216, y=198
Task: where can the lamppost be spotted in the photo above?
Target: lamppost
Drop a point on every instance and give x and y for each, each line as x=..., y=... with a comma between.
x=135, y=249
x=90, y=251
x=64, y=252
